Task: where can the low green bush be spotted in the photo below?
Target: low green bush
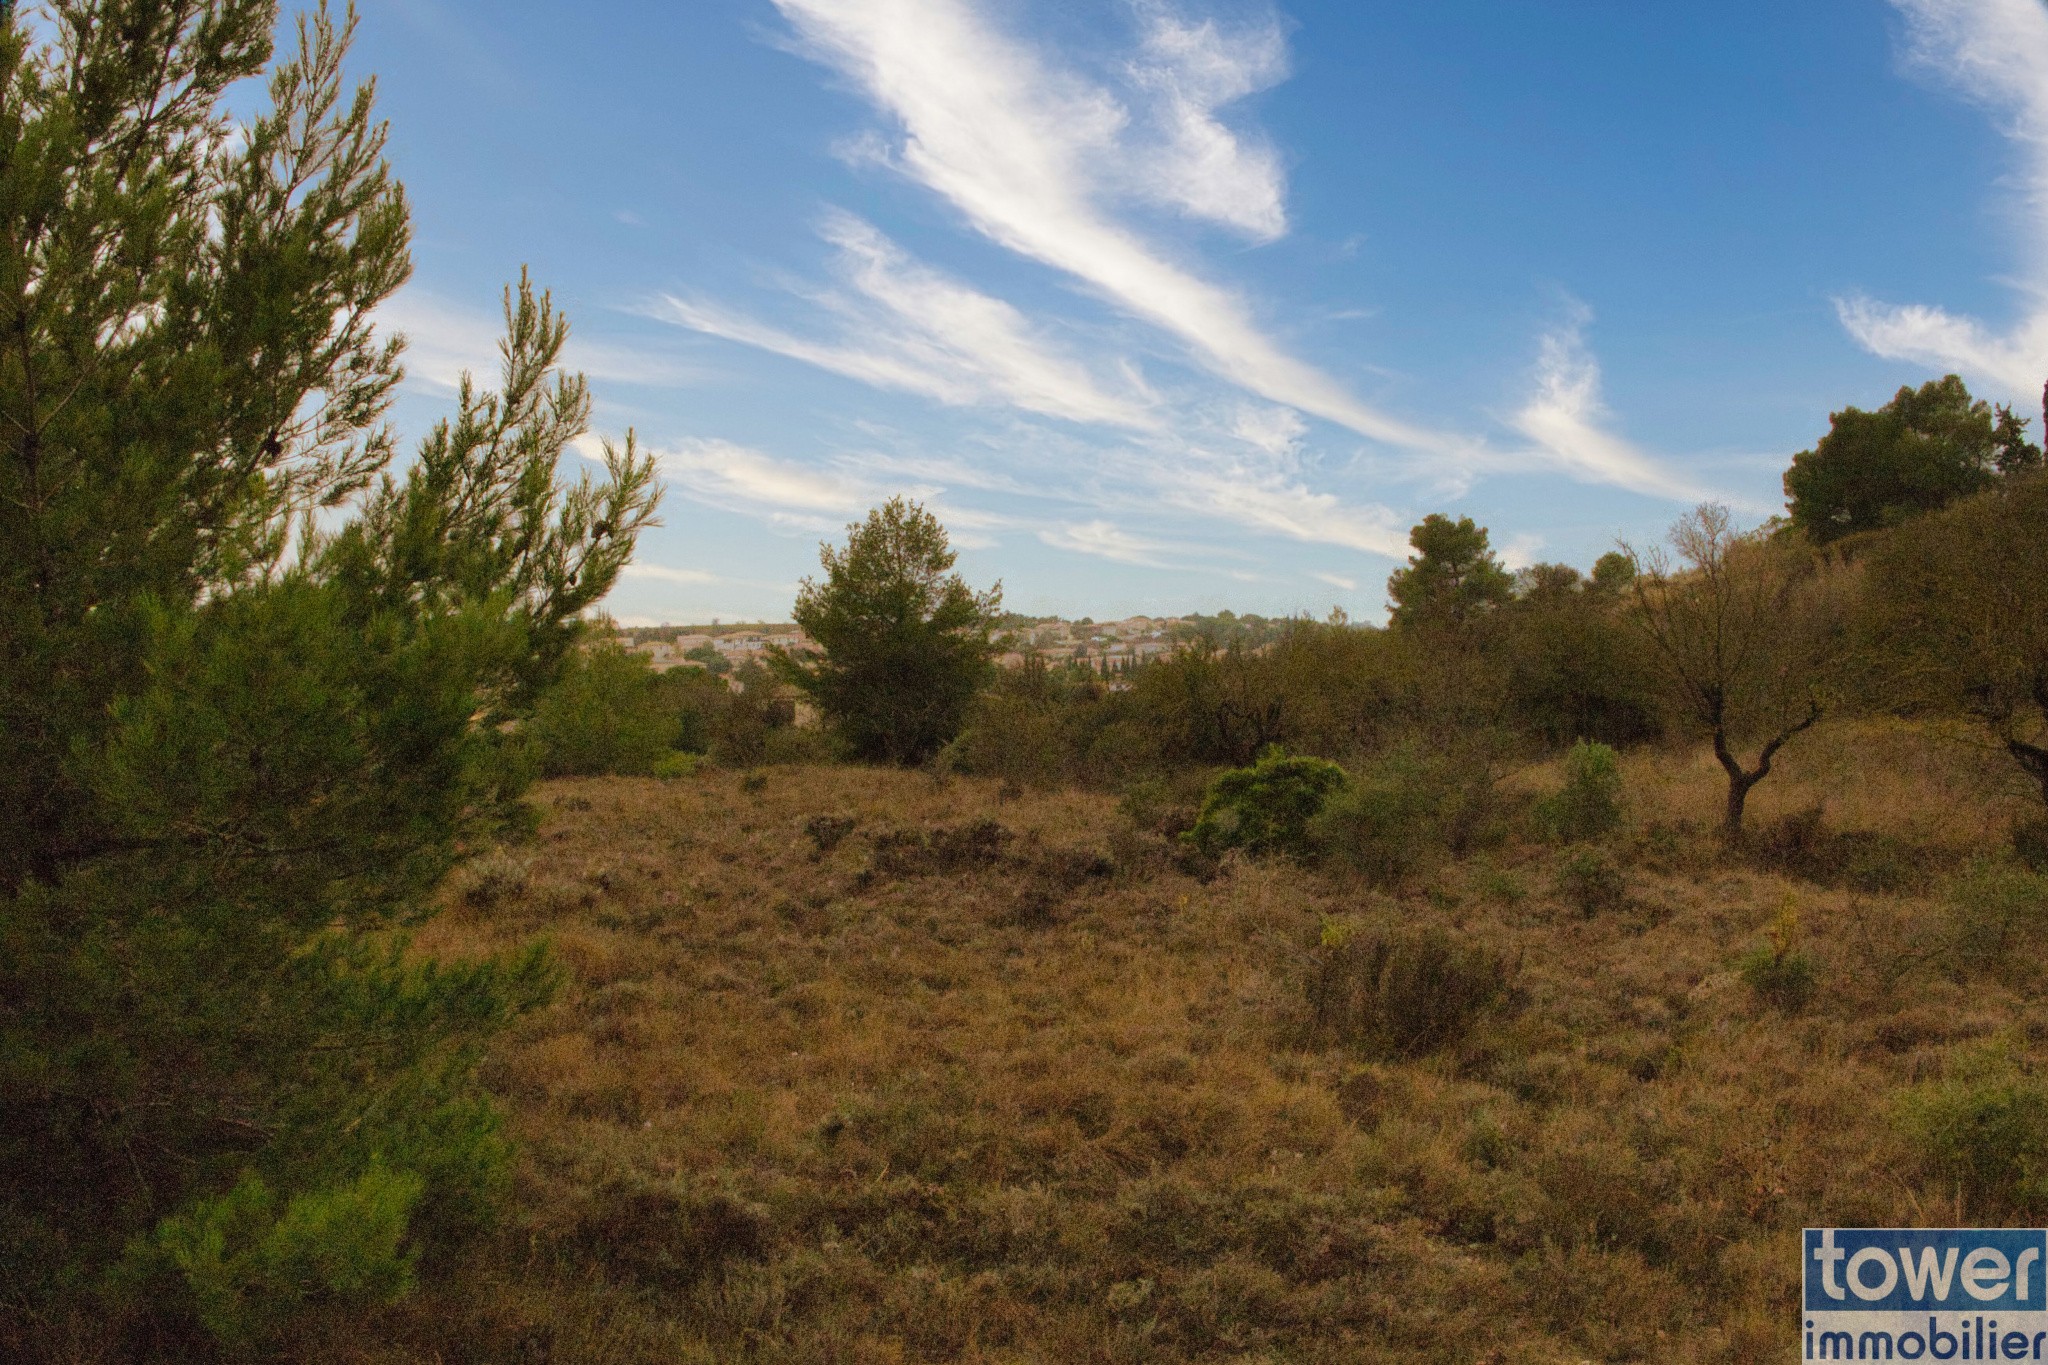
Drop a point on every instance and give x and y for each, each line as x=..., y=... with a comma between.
x=1266, y=808
x=1590, y=880
x=1498, y=884
x=1985, y=1139
x=1778, y=972
x=492, y=879
x=1389, y=821
x=1589, y=805
x=798, y=744
x=1786, y=981
x=675, y=764
x=1016, y=738
x=1800, y=844
x=1991, y=908
x=739, y=730
x=1402, y=993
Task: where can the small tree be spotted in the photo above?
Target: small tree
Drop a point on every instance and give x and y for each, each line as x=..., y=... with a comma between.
x=905, y=643
x=1451, y=578
x=1589, y=805
x=238, y=748
x=1924, y=449
x=1574, y=669
x=1211, y=704
x=1738, y=659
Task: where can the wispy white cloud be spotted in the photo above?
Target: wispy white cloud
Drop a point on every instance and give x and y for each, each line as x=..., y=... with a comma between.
x=911, y=328
x=1567, y=420
x=1995, y=52
x=782, y=492
x=1205, y=168
x=444, y=339
x=1030, y=154
x=1105, y=540
x=1262, y=499
x=1933, y=336
x=640, y=568
x=1277, y=431
x=1520, y=551
x=1336, y=580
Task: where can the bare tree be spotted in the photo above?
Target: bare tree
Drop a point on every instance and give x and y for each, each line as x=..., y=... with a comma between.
x=1735, y=647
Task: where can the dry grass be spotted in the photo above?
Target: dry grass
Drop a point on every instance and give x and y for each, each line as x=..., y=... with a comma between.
x=1003, y=1103
x=1869, y=775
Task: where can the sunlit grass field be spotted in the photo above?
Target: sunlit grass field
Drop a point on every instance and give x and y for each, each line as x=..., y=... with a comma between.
x=869, y=1066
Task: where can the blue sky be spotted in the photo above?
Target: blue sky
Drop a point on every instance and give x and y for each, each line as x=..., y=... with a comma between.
x=1178, y=306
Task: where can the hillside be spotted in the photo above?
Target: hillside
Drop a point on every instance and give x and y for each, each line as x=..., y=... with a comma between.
x=855, y=1065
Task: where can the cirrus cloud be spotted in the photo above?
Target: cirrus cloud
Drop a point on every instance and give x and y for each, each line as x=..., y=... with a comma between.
x=1995, y=52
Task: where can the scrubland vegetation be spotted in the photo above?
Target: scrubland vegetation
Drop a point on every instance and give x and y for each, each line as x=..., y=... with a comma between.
x=852, y=1064
x=389, y=973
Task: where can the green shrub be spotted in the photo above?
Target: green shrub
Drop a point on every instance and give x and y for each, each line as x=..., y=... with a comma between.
x=1267, y=807
x=1590, y=880
x=1800, y=844
x=697, y=698
x=1588, y=806
x=797, y=744
x=1403, y=993
x=828, y=831
x=1785, y=981
x=1777, y=971
x=493, y=878
x=1991, y=908
x=1985, y=1139
x=676, y=763
x=605, y=716
x=1498, y=884
x=1386, y=823
x=1017, y=738
x=1162, y=806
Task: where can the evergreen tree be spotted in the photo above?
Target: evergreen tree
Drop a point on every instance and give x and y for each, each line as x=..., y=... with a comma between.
x=256, y=695
x=1451, y=579
x=1924, y=449
x=2013, y=453
x=1574, y=669
x=906, y=643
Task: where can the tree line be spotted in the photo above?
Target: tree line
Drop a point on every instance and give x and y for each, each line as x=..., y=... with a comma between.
x=1907, y=577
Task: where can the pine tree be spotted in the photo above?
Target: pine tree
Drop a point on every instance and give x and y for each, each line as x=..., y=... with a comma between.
x=257, y=694
x=1921, y=451
x=1451, y=579
x=906, y=643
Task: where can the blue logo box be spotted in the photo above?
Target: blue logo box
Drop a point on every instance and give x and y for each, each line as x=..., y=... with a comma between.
x=1956, y=1270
